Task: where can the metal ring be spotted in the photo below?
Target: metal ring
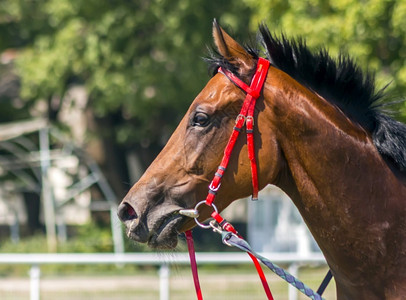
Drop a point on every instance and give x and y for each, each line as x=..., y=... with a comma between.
x=197, y=221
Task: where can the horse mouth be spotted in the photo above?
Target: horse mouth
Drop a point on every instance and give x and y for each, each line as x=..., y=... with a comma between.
x=165, y=234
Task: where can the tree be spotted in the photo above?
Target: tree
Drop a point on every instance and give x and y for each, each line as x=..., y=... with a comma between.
x=139, y=61
x=373, y=32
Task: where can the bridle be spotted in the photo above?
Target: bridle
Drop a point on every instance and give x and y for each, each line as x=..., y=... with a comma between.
x=246, y=116
x=219, y=224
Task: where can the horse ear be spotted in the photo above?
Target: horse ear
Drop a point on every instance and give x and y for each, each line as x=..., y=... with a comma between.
x=230, y=49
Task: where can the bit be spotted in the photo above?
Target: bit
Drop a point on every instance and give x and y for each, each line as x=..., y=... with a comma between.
x=191, y=213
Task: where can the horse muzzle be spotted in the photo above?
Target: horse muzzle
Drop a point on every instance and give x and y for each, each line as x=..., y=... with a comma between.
x=135, y=228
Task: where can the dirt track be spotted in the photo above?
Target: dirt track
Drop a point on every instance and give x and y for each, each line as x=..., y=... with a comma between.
x=216, y=285
x=133, y=287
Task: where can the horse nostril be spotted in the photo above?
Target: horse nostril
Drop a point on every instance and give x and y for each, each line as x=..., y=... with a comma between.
x=126, y=212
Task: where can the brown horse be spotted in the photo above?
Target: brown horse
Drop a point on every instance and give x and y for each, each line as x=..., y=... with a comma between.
x=320, y=136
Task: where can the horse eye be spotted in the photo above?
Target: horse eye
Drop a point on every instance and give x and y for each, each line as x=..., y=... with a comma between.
x=200, y=119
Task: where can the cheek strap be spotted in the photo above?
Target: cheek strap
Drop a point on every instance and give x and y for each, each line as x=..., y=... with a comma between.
x=246, y=116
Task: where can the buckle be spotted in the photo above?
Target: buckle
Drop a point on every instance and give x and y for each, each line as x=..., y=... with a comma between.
x=240, y=116
x=251, y=118
x=213, y=188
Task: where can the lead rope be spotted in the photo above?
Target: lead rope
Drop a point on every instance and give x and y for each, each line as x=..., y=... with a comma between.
x=230, y=228
x=230, y=237
x=193, y=264
x=246, y=116
x=236, y=241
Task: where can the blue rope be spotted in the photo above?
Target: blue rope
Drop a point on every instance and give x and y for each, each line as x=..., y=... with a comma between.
x=233, y=240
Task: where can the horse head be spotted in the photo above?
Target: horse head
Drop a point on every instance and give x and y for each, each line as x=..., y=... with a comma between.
x=319, y=135
x=179, y=177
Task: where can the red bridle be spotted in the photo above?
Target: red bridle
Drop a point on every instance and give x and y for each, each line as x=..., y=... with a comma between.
x=246, y=116
x=219, y=224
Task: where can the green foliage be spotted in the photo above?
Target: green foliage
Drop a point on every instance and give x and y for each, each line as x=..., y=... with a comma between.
x=372, y=31
x=88, y=238
x=139, y=60
x=91, y=238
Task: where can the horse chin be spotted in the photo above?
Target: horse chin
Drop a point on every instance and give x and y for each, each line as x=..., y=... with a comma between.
x=165, y=236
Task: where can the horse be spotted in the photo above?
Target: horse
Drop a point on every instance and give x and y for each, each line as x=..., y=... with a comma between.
x=321, y=135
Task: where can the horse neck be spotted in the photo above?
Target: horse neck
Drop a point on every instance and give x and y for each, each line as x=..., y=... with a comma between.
x=345, y=192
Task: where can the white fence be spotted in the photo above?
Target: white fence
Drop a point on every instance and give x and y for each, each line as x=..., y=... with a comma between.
x=293, y=260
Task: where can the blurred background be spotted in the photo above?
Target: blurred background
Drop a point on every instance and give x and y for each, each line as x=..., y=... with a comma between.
x=90, y=92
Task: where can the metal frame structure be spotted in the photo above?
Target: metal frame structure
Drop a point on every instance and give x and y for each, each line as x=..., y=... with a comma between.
x=26, y=162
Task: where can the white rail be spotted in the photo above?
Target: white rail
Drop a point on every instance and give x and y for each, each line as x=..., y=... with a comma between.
x=222, y=258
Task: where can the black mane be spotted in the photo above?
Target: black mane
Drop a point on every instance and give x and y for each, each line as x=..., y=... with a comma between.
x=341, y=82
